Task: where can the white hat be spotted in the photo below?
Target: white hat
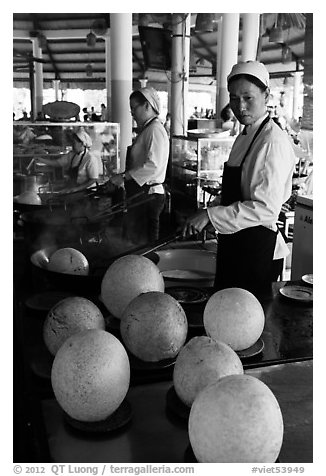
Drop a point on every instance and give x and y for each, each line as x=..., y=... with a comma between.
x=253, y=68
x=84, y=138
x=152, y=97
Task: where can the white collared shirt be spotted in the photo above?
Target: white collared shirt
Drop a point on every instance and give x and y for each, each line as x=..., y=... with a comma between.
x=149, y=156
x=266, y=182
x=88, y=168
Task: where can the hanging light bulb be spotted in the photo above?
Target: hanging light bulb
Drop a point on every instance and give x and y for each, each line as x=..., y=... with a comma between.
x=42, y=41
x=192, y=59
x=286, y=54
x=91, y=39
x=144, y=19
x=276, y=34
x=143, y=82
x=89, y=70
x=205, y=22
x=167, y=22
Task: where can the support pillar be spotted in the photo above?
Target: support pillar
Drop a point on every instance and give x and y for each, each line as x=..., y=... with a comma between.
x=180, y=73
x=108, y=77
x=56, y=87
x=229, y=55
x=38, y=78
x=250, y=35
x=218, y=68
x=296, y=94
x=121, y=74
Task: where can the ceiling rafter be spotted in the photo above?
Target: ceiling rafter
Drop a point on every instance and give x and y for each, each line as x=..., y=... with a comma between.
x=66, y=50
x=37, y=27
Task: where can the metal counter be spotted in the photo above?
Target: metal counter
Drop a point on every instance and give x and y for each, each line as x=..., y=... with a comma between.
x=157, y=435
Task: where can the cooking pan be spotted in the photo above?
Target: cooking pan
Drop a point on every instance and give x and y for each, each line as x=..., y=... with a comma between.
x=187, y=267
x=99, y=258
x=87, y=218
x=53, y=195
x=56, y=223
x=64, y=224
x=28, y=182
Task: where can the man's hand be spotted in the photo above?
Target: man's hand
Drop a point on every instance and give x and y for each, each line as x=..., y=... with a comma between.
x=195, y=224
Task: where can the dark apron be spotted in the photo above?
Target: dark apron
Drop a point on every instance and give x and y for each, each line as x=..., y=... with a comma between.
x=245, y=258
x=73, y=170
x=141, y=221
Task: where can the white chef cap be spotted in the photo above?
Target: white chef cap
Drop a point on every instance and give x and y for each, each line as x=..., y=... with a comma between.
x=252, y=68
x=152, y=97
x=84, y=138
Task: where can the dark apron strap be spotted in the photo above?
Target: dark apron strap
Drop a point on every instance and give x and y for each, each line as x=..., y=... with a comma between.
x=77, y=166
x=258, y=131
x=231, y=181
x=73, y=171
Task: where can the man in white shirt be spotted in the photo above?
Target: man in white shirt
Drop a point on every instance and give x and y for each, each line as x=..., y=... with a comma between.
x=257, y=180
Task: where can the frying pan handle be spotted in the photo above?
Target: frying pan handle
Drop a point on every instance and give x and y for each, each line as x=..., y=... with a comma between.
x=177, y=236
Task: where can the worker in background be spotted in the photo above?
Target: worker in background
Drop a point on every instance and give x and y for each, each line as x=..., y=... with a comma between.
x=146, y=165
x=103, y=113
x=229, y=121
x=167, y=123
x=80, y=165
x=257, y=180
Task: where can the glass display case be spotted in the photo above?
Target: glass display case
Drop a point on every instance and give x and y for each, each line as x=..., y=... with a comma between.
x=34, y=140
x=197, y=165
x=48, y=211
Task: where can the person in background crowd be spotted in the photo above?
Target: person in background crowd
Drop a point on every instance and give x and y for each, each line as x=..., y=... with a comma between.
x=167, y=123
x=94, y=116
x=25, y=117
x=85, y=116
x=257, y=180
x=146, y=165
x=229, y=121
x=103, y=112
x=273, y=115
x=209, y=114
x=79, y=165
x=195, y=113
x=40, y=116
x=23, y=134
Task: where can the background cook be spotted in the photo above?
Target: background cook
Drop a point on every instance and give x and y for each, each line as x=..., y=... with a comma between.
x=80, y=165
x=146, y=165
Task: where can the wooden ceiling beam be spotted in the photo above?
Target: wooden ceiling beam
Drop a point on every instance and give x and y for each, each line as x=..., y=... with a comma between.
x=38, y=28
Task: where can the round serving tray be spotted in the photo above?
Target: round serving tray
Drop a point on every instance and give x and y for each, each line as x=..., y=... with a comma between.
x=175, y=405
x=308, y=279
x=253, y=350
x=119, y=419
x=303, y=294
x=41, y=363
x=45, y=301
x=188, y=295
x=189, y=456
x=141, y=365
